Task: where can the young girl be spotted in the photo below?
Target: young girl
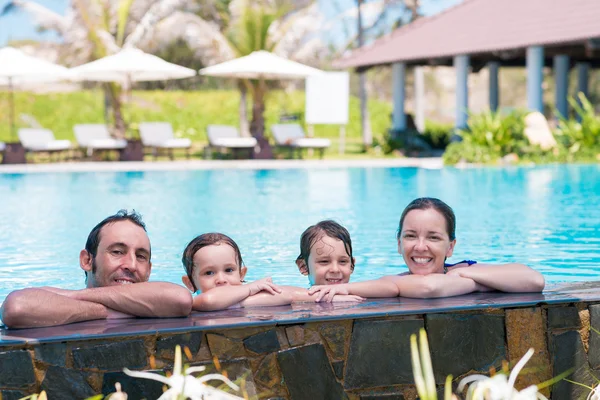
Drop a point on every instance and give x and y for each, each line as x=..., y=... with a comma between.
x=426, y=238
x=215, y=270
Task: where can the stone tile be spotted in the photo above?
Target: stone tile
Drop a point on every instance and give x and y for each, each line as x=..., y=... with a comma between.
x=267, y=373
x=165, y=346
x=264, y=342
x=594, y=338
x=382, y=396
x=295, y=335
x=308, y=374
x=62, y=383
x=380, y=353
x=460, y=343
x=16, y=369
x=567, y=352
x=238, y=371
x=111, y=356
x=225, y=348
x=525, y=329
x=338, y=369
x=563, y=318
x=12, y=394
x=136, y=388
x=52, y=353
x=337, y=337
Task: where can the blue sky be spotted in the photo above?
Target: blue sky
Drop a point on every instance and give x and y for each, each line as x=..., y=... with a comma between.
x=19, y=25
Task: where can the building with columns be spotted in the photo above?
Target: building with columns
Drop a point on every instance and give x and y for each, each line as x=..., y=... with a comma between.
x=476, y=34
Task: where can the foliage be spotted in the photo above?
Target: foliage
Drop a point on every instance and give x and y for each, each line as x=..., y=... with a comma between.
x=438, y=134
x=580, y=135
x=189, y=112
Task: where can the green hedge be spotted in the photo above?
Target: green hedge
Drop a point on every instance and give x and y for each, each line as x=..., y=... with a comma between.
x=189, y=111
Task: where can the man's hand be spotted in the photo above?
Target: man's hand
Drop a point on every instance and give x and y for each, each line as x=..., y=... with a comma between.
x=261, y=285
x=327, y=292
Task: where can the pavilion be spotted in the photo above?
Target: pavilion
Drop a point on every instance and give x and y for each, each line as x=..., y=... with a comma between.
x=476, y=34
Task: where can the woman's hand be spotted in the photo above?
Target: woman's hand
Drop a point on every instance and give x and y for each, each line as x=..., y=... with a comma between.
x=265, y=285
x=340, y=298
x=327, y=292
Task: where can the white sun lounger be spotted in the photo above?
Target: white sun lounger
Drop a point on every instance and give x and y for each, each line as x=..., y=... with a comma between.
x=228, y=137
x=292, y=136
x=2, y=146
x=36, y=140
x=159, y=135
x=93, y=137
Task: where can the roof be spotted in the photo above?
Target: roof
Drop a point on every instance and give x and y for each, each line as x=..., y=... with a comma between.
x=483, y=26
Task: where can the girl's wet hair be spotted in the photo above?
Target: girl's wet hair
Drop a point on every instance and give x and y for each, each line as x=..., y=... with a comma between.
x=425, y=203
x=207, y=239
x=324, y=228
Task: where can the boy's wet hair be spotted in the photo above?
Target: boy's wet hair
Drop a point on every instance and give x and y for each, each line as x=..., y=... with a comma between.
x=207, y=239
x=324, y=228
x=425, y=203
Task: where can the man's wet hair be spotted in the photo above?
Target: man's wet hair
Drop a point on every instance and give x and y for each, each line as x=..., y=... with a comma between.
x=93, y=240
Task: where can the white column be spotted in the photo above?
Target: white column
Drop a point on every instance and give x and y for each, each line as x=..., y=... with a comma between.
x=561, y=80
x=461, y=64
x=535, y=66
x=419, y=99
x=399, y=94
x=493, y=67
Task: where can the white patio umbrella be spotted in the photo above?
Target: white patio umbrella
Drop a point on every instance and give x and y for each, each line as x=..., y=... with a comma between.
x=17, y=68
x=130, y=65
x=261, y=65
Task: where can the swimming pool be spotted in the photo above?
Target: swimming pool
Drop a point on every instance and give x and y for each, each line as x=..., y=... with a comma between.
x=547, y=217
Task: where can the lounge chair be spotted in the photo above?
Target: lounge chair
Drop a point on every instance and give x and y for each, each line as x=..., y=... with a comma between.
x=95, y=137
x=2, y=146
x=159, y=136
x=35, y=140
x=226, y=137
x=292, y=137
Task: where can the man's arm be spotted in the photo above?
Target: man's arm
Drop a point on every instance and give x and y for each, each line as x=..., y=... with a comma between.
x=36, y=307
x=144, y=299
x=506, y=278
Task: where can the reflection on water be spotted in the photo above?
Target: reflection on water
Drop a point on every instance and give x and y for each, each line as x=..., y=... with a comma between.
x=547, y=217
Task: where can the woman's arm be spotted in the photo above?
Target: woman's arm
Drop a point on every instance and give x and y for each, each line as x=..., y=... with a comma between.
x=223, y=297
x=382, y=287
x=506, y=277
x=433, y=285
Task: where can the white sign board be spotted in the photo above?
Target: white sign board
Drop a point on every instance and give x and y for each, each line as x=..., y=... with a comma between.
x=327, y=98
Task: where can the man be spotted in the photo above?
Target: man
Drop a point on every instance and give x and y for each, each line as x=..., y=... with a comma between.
x=116, y=261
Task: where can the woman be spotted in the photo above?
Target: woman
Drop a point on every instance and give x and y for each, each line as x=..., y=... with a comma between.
x=426, y=238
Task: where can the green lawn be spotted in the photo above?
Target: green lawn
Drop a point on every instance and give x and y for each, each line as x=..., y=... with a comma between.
x=188, y=112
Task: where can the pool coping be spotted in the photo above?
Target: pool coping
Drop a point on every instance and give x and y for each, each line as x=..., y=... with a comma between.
x=300, y=313
x=186, y=165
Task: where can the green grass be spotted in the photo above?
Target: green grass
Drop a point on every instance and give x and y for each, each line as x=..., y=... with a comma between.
x=188, y=111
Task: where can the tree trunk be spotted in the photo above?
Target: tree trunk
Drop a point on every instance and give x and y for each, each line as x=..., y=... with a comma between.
x=243, y=110
x=257, y=126
x=365, y=125
x=119, y=125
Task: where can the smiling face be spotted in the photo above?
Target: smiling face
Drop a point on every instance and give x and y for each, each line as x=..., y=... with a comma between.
x=328, y=262
x=424, y=242
x=122, y=257
x=215, y=265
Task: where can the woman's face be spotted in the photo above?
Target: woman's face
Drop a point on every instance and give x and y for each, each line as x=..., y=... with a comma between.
x=424, y=242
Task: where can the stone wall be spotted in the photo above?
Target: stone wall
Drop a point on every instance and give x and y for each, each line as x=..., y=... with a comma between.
x=363, y=358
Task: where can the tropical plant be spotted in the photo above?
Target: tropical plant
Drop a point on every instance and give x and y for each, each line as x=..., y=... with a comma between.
x=581, y=134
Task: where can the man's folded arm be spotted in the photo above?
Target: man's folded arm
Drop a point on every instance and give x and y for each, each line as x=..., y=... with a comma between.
x=144, y=299
x=37, y=307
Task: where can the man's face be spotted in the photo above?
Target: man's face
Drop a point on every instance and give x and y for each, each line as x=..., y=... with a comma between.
x=122, y=258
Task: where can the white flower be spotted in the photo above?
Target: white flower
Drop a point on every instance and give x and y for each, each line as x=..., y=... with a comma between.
x=187, y=385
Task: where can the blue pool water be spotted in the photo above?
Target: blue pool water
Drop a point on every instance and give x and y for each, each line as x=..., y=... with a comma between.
x=547, y=217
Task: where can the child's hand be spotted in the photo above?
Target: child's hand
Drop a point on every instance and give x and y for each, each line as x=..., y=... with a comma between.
x=265, y=285
x=114, y=314
x=339, y=298
x=326, y=292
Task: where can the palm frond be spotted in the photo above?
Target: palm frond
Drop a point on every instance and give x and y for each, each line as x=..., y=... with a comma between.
x=45, y=18
x=158, y=11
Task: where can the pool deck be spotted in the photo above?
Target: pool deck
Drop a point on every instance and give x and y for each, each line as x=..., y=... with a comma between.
x=187, y=165
x=300, y=313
